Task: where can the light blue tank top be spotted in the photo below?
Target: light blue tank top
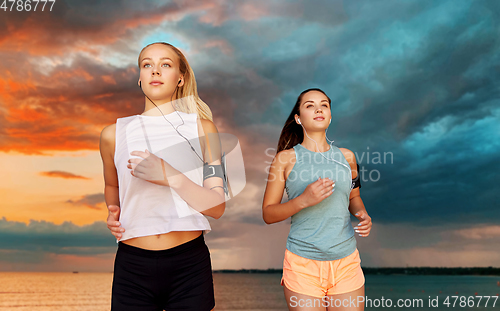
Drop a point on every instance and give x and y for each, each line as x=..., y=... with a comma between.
x=322, y=231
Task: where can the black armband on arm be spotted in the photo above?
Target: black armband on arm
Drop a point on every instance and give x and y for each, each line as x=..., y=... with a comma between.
x=356, y=181
x=215, y=171
x=212, y=171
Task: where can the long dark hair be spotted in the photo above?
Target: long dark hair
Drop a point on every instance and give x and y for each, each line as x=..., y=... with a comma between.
x=292, y=133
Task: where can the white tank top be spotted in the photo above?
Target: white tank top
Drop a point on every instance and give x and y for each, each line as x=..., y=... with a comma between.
x=147, y=208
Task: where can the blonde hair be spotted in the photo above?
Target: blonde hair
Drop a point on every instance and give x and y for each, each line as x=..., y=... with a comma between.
x=188, y=88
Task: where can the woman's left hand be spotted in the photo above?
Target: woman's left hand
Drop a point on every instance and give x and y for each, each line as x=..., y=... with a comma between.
x=151, y=168
x=365, y=224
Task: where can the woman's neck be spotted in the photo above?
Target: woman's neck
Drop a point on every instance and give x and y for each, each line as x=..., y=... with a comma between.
x=165, y=106
x=320, y=139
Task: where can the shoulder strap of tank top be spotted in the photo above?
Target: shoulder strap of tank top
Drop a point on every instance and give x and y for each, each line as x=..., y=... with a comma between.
x=298, y=153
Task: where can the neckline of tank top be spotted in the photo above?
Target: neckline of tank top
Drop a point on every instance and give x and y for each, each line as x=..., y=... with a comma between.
x=315, y=151
x=168, y=114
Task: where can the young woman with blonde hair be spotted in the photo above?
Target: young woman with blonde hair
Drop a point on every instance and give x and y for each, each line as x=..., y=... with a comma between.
x=157, y=191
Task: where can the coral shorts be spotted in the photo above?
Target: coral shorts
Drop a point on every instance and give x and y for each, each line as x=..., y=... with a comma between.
x=322, y=278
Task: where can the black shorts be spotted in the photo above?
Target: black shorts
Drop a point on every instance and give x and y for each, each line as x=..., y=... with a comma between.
x=178, y=278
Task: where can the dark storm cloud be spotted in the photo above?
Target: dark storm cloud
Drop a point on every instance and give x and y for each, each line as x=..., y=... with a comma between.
x=435, y=111
x=393, y=80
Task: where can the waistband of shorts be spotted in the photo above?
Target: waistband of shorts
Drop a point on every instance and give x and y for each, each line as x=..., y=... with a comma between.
x=195, y=243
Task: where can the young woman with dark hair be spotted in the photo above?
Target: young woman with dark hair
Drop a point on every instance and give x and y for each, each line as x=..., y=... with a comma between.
x=321, y=267
x=158, y=198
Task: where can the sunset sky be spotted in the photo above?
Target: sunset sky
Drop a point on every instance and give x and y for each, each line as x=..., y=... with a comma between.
x=416, y=79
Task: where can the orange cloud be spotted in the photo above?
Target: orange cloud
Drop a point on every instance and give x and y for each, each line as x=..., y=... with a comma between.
x=109, y=79
x=93, y=201
x=74, y=73
x=62, y=174
x=9, y=86
x=35, y=34
x=27, y=114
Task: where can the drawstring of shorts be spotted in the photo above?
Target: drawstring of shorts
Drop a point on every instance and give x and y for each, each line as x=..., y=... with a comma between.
x=321, y=273
x=333, y=276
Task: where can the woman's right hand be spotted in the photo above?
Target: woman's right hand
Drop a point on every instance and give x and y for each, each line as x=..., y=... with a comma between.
x=317, y=191
x=113, y=223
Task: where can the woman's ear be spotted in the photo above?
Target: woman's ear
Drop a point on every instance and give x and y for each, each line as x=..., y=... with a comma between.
x=181, y=82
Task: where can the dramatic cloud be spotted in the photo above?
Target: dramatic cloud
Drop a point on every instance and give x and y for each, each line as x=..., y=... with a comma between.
x=414, y=89
x=90, y=201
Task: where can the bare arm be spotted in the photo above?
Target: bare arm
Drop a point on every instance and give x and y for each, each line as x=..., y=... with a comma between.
x=209, y=202
x=356, y=205
x=111, y=190
x=272, y=209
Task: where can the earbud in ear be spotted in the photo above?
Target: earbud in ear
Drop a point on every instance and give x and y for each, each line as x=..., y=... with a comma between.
x=330, y=121
x=179, y=81
x=299, y=120
x=140, y=84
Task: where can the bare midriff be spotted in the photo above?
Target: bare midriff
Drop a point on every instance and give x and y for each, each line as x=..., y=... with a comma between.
x=163, y=241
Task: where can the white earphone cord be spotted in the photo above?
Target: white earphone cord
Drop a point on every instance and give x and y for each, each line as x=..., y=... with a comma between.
x=172, y=124
x=331, y=146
